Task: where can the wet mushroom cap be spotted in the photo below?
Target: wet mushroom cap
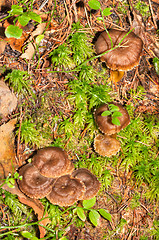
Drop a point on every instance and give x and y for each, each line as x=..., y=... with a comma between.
x=66, y=191
x=124, y=57
x=90, y=181
x=105, y=145
x=105, y=122
x=33, y=184
x=51, y=161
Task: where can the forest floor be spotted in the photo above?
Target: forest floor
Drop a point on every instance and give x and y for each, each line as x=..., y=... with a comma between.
x=56, y=100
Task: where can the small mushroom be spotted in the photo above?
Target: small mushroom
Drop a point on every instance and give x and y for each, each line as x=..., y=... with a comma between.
x=66, y=191
x=123, y=58
x=33, y=184
x=52, y=162
x=105, y=122
x=106, y=145
x=90, y=181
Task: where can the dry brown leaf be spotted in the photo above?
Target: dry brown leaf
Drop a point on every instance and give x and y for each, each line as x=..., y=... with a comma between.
x=29, y=52
x=35, y=204
x=7, y=151
x=39, y=210
x=2, y=45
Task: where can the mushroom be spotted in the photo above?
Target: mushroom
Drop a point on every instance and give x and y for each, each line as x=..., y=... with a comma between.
x=105, y=122
x=52, y=162
x=106, y=145
x=90, y=181
x=66, y=191
x=33, y=184
x=123, y=58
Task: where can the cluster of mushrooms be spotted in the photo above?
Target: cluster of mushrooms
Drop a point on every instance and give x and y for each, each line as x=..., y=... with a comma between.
x=106, y=144
x=124, y=57
x=51, y=174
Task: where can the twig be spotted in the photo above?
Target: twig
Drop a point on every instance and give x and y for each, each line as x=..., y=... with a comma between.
x=18, y=140
x=152, y=13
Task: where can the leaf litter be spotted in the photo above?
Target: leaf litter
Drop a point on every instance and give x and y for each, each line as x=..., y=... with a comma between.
x=55, y=35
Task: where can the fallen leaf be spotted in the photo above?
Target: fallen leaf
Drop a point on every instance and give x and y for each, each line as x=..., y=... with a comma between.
x=2, y=45
x=39, y=210
x=8, y=100
x=7, y=151
x=29, y=52
x=35, y=204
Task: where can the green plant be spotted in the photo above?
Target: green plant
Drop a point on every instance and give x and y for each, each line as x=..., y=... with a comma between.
x=156, y=64
x=10, y=180
x=20, y=81
x=93, y=214
x=28, y=133
x=23, y=16
x=114, y=112
x=95, y=4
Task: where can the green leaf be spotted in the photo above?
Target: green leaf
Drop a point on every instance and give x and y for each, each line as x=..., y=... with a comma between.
x=156, y=64
x=24, y=19
x=107, y=12
x=16, y=175
x=81, y=214
x=94, y=217
x=94, y=4
x=105, y=214
x=117, y=114
x=10, y=185
x=12, y=181
x=89, y=203
x=26, y=234
x=116, y=121
x=39, y=38
x=16, y=10
x=13, y=31
x=100, y=18
x=105, y=113
x=113, y=108
x=34, y=16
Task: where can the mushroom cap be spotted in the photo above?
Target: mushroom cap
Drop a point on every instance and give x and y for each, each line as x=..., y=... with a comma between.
x=106, y=145
x=66, y=191
x=124, y=57
x=33, y=184
x=105, y=122
x=90, y=181
x=51, y=161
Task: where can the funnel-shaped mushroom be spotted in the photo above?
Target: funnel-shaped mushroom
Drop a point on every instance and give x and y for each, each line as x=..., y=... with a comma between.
x=33, y=184
x=105, y=122
x=52, y=162
x=123, y=58
x=106, y=145
x=66, y=191
x=90, y=181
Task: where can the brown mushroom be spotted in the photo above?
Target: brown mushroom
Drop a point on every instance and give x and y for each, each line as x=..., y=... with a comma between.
x=90, y=181
x=123, y=58
x=51, y=162
x=66, y=191
x=33, y=184
x=105, y=122
x=106, y=145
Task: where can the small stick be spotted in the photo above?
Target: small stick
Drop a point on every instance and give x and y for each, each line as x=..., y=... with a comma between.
x=152, y=13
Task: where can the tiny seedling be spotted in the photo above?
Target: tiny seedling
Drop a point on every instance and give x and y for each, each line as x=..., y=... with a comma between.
x=22, y=17
x=114, y=112
x=10, y=180
x=95, y=4
x=93, y=214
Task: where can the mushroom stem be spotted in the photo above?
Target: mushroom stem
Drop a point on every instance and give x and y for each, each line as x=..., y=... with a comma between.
x=116, y=76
